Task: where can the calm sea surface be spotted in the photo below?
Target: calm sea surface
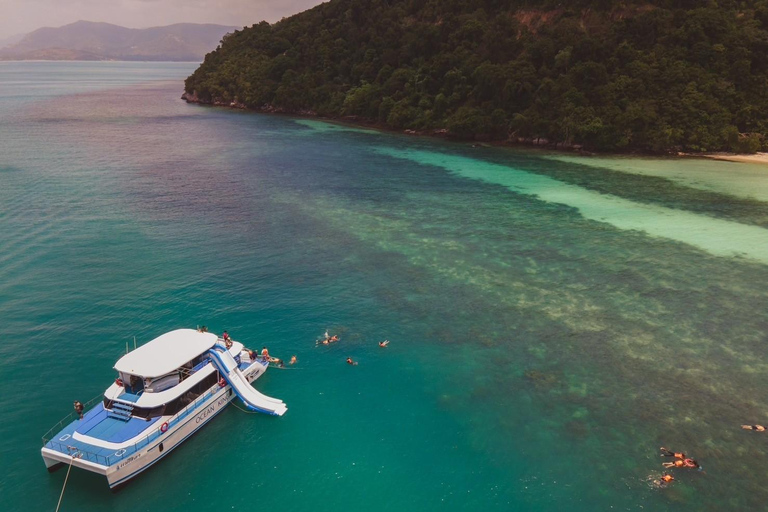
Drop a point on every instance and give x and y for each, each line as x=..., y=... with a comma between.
x=553, y=320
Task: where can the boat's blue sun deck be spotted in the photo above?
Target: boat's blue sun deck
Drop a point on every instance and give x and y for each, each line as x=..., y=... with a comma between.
x=97, y=424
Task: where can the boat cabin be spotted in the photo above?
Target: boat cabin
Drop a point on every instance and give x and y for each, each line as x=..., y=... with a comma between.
x=165, y=375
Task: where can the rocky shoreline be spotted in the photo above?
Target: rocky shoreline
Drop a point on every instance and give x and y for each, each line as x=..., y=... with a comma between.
x=538, y=142
x=443, y=133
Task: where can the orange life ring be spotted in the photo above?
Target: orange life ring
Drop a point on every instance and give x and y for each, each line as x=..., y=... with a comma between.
x=222, y=383
x=164, y=427
x=119, y=381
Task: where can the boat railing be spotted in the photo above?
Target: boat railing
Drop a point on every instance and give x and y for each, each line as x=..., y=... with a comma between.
x=108, y=460
x=69, y=418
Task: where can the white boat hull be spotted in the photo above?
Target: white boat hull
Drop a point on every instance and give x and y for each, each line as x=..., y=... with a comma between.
x=132, y=465
x=129, y=467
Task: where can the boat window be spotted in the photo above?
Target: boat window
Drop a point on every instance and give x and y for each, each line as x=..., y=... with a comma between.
x=132, y=383
x=162, y=383
x=190, y=396
x=147, y=412
x=176, y=405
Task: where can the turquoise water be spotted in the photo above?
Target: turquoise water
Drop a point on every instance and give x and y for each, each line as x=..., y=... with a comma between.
x=552, y=323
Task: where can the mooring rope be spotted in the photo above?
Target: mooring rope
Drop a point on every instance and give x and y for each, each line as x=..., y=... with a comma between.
x=61, y=496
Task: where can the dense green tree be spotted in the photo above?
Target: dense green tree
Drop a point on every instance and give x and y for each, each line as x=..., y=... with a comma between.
x=658, y=75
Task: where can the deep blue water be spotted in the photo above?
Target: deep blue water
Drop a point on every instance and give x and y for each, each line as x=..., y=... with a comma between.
x=546, y=338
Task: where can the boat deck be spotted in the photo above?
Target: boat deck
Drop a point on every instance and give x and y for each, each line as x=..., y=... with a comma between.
x=97, y=424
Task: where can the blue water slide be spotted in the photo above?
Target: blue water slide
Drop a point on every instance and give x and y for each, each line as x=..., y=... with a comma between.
x=252, y=399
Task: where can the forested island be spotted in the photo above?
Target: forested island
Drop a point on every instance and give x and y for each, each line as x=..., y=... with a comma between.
x=655, y=76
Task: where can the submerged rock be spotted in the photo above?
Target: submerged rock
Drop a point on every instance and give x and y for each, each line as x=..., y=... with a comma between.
x=541, y=379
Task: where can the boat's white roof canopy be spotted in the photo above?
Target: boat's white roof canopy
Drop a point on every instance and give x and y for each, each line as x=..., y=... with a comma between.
x=166, y=353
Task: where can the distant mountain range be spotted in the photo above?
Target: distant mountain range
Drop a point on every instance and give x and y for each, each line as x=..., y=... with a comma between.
x=85, y=40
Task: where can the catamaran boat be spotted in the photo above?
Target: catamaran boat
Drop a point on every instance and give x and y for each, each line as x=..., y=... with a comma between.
x=166, y=390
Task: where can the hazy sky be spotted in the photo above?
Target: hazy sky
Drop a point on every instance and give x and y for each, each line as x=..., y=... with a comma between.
x=20, y=16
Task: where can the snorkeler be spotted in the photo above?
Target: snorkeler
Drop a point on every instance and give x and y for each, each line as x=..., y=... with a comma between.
x=686, y=463
x=756, y=428
x=668, y=453
x=666, y=479
x=384, y=343
x=350, y=361
x=691, y=463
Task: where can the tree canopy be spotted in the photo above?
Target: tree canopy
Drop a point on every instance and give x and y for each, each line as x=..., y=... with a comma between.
x=654, y=76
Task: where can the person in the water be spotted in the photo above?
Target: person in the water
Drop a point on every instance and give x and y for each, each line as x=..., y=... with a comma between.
x=350, y=361
x=682, y=463
x=327, y=338
x=665, y=479
x=384, y=343
x=293, y=360
x=691, y=463
x=756, y=428
x=669, y=453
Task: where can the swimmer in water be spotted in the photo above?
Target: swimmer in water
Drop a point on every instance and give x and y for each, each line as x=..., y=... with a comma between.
x=384, y=343
x=756, y=428
x=665, y=480
x=293, y=360
x=350, y=361
x=691, y=463
x=668, y=453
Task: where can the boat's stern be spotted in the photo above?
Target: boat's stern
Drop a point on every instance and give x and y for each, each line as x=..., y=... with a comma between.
x=55, y=459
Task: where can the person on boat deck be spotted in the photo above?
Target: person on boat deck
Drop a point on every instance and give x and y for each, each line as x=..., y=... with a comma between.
x=756, y=428
x=384, y=343
x=227, y=339
x=667, y=453
x=79, y=408
x=293, y=360
x=265, y=353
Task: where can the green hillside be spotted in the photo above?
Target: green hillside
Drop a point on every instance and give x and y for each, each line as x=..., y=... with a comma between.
x=652, y=76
